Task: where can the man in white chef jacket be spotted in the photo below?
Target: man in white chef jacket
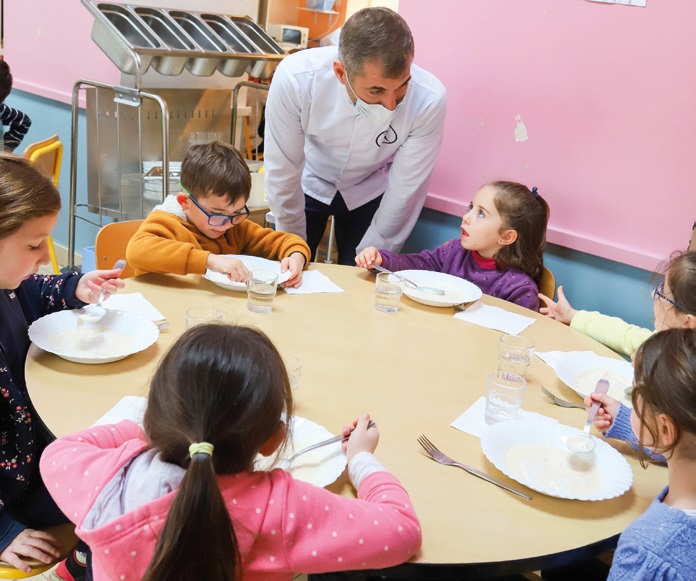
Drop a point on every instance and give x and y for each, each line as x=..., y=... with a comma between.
x=353, y=131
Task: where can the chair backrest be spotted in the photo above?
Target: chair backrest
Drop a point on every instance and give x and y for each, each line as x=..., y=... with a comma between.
x=111, y=244
x=47, y=156
x=547, y=285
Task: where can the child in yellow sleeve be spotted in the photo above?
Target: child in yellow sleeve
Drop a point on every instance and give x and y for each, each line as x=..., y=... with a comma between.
x=193, y=229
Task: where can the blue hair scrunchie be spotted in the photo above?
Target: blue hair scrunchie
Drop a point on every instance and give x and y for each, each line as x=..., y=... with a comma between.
x=535, y=192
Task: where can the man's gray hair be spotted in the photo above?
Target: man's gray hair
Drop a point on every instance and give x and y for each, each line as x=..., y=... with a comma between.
x=376, y=34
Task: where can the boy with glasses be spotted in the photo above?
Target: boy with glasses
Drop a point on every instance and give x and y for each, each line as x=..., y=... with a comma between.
x=195, y=229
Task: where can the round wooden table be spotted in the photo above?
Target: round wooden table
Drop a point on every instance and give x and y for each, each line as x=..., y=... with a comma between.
x=414, y=372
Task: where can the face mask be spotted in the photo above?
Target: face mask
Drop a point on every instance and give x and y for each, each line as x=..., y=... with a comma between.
x=374, y=112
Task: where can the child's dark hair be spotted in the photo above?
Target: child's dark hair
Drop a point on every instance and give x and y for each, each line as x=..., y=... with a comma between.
x=526, y=212
x=665, y=383
x=24, y=194
x=225, y=385
x=681, y=274
x=5, y=80
x=216, y=169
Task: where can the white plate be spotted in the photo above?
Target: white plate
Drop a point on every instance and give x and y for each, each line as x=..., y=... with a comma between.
x=117, y=335
x=581, y=371
x=534, y=453
x=252, y=263
x=321, y=466
x=457, y=290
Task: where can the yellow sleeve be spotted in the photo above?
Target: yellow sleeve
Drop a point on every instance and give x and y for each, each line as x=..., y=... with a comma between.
x=166, y=244
x=613, y=332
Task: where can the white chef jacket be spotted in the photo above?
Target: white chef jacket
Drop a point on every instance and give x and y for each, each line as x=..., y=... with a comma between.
x=316, y=143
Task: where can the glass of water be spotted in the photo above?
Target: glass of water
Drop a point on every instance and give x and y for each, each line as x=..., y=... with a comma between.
x=504, y=395
x=202, y=316
x=387, y=293
x=515, y=354
x=261, y=288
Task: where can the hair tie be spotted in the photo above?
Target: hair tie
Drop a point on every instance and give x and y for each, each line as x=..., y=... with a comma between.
x=535, y=192
x=201, y=448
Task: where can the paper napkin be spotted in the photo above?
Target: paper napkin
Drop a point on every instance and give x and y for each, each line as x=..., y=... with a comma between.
x=134, y=303
x=495, y=318
x=473, y=421
x=131, y=407
x=314, y=281
x=553, y=358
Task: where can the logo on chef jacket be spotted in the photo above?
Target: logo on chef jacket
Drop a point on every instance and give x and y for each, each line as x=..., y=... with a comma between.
x=387, y=137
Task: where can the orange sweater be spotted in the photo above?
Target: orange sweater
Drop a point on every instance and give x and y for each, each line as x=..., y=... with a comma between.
x=169, y=244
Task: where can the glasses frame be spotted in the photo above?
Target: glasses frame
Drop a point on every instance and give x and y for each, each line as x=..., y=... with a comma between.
x=657, y=293
x=219, y=219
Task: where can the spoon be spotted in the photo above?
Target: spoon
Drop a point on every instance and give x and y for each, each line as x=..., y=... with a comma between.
x=425, y=289
x=584, y=443
x=285, y=463
x=95, y=313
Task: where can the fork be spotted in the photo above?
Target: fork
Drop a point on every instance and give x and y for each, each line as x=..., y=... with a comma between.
x=560, y=402
x=285, y=463
x=438, y=456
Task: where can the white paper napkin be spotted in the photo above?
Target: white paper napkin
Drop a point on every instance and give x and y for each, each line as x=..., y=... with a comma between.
x=553, y=358
x=495, y=318
x=134, y=303
x=314, y=281
x=131, y=407
x=473, y=421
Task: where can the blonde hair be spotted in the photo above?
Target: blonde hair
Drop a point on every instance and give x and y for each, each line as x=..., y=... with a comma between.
x=24, y=194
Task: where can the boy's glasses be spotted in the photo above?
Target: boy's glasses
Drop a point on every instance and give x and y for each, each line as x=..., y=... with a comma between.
x=219, y=219
x=658, y=293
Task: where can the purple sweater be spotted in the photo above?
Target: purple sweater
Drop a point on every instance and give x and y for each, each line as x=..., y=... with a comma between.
x=511, y=284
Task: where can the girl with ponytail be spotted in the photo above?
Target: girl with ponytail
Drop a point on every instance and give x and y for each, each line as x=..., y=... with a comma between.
x=178, y=499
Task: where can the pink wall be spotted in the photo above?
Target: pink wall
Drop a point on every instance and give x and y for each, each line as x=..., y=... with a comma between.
x=608, y=97
x=49, y=47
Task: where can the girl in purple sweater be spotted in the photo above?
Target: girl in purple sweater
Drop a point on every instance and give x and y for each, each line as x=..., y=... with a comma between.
x=501, y=247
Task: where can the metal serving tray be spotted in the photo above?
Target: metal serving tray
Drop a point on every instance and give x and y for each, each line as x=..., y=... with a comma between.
x=262, y=69
x=235, y=41
x=205, y=38
x=136, y=37
x=173, y=38
x=117, y=31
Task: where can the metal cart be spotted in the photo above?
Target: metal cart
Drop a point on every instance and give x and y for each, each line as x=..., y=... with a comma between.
x=134, y=133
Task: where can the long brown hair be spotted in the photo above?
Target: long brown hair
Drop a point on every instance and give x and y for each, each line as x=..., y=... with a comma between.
x=225, y=385
x=665, y=383
x=24, y=194
x=526, y=212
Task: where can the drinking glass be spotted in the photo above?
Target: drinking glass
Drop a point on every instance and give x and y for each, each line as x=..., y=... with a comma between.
x=515, y=354
x=387, y=293
x=202, y=315
x=504, y=395
x=261, y=288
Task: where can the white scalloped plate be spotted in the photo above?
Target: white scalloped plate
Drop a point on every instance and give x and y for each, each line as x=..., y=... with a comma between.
x=581, y=371
x=116, y=336
x=534, y=453
x=457, y=290
x=320, y=467
x=252, y=263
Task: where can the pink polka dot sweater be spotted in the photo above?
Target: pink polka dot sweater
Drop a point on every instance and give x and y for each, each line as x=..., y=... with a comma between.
x=282, y=525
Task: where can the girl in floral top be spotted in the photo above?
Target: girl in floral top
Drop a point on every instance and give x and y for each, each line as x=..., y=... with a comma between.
x=29, y=205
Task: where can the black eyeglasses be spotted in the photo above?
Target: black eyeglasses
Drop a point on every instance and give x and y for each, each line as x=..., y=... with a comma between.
x=657, y=293
x=219, y=219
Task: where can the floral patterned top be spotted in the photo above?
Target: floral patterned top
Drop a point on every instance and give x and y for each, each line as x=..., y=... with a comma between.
x=23, y=435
